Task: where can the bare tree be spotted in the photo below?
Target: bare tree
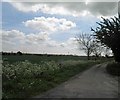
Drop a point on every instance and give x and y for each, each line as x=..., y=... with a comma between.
x=97, y=49
x=86, y=42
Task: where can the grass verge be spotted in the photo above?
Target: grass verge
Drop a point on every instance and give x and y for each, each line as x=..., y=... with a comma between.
x=24, y=79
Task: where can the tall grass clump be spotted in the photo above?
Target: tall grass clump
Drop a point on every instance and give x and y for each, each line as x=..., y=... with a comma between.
x=27, y=70
x=20, y=77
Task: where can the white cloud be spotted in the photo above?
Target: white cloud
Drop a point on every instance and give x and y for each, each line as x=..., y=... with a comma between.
x=72, y=41
x=45, y=8
x=15, y=40
x=12, y=35
x=36, y=38
x=49, y=24
x=15, y=36
x=71, y=8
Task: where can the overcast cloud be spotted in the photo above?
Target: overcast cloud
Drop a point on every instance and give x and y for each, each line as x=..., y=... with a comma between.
x=75, y=9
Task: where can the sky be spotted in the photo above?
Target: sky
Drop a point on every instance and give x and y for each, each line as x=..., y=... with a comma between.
x=34, y=27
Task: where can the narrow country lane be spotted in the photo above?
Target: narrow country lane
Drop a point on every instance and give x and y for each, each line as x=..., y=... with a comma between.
x=93, y=83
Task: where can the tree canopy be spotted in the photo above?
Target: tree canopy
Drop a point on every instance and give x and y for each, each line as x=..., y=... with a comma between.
x=108, y=33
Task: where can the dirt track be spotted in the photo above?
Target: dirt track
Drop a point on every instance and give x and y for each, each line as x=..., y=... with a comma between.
x=93, y=83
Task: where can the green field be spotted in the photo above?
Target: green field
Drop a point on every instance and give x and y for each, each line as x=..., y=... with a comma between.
x=29, y=75
x=38, y=58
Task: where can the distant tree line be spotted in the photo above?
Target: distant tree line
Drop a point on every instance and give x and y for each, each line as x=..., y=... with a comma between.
x=20, y=53
x=12, y=53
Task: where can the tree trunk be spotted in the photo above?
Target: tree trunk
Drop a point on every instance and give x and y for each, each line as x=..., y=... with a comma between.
x=88, y=55
x=116, y=53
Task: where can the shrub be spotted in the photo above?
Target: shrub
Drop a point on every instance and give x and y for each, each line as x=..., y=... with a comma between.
x=113, y=68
